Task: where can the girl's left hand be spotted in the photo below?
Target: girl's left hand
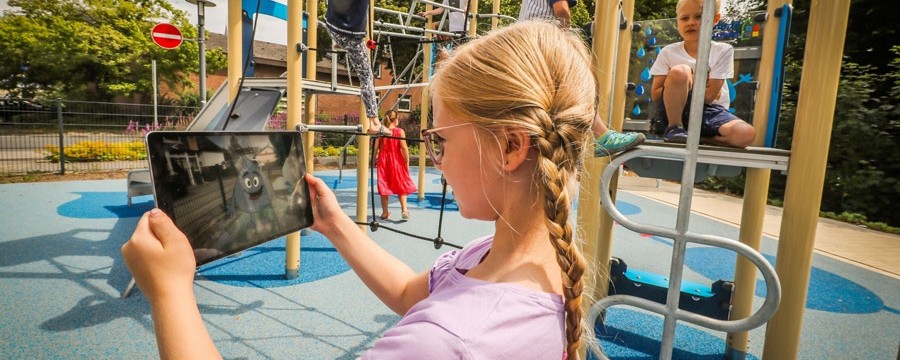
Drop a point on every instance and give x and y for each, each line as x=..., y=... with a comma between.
x=160, y=258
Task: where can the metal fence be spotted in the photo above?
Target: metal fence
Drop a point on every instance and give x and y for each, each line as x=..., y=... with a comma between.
x=80, y=136
x=62, y=136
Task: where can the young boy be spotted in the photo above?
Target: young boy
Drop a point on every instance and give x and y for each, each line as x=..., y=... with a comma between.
x=673, y=76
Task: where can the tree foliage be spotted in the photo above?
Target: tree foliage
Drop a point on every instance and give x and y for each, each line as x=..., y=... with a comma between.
x=863, y=170
x=93, y=49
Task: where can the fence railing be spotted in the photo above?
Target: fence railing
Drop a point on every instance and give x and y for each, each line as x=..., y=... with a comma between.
x=61, y=135
x=79, y=136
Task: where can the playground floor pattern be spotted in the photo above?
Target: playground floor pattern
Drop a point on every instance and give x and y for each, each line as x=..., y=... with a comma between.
x=61, y=274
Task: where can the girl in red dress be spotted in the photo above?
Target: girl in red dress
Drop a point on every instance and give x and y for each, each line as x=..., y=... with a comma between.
x=393, y=167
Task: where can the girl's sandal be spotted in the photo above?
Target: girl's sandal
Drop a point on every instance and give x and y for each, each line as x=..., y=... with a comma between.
x=405, y=215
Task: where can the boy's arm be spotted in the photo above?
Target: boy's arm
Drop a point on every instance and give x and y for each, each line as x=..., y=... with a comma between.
x=434, y=12
x=721, y=67
x=562, y=12
x=713, y=89
x=394, y=282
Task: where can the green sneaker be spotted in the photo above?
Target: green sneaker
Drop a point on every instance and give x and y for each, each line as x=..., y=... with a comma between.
x=614, y=142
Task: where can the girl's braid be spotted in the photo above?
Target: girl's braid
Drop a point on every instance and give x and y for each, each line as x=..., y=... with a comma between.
x=561, y=147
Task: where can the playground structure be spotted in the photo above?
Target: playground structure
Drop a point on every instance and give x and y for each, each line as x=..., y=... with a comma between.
x=818, y=88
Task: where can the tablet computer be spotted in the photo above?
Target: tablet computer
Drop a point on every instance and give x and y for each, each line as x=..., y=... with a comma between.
x=228, y=190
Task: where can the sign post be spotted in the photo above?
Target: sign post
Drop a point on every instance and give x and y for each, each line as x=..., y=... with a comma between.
x=167, y=36
x=201, y=36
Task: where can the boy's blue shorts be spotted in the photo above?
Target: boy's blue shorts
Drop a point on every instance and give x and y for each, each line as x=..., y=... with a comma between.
x=714, y=116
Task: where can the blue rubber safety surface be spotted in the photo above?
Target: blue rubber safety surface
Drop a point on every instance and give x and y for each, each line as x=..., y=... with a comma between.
x=61, y=275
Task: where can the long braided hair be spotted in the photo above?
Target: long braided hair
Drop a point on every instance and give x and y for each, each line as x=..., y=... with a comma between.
x=536, y=77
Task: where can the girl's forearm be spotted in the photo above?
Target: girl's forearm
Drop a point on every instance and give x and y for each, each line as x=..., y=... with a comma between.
x=390, y=279
x=180, y=332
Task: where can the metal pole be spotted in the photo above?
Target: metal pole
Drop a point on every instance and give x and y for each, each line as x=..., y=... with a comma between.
x=62, y=144
x=756, y=191
x=155, y=93
x=362, y=156
x=423, y=115
x=235, y=50
x=201, y=43
x=595, y=224
x=816, y=102
x=495, y=9
x=294, y=115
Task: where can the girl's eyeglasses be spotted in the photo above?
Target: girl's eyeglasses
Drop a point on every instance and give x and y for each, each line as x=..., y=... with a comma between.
x=434, y=143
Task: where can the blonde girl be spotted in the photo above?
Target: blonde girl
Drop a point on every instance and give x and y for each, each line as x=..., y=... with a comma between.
x=512, y=118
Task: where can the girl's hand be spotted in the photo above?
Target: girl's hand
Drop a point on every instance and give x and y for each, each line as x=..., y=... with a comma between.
x=160, y=258
x=327, y=212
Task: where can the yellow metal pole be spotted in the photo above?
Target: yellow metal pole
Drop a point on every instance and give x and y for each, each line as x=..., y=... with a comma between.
x=362, y=157
x=809, y=154
x=623, y=58
x=495, y=9
x=294, y=94
x=423, y=115
x=312, y=41
x=594, y=224
x=235, y=49
x=590, y=212
x=756, y=191
x=473, y=18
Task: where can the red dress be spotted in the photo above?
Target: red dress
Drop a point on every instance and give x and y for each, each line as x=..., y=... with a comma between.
x=393, y=171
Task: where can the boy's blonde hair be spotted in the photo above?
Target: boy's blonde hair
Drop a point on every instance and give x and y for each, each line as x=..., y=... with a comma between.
x=681, y=3
x=536, y=77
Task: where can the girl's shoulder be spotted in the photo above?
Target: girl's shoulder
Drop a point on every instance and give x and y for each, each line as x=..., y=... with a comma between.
x=458, y=261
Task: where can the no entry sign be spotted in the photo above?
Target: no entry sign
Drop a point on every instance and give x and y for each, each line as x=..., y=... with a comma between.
x=167, y=36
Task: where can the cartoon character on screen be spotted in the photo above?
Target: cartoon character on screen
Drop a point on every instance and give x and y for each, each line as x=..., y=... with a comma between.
x=251, y=203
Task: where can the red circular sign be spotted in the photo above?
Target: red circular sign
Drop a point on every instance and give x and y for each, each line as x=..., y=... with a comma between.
x=167, y=36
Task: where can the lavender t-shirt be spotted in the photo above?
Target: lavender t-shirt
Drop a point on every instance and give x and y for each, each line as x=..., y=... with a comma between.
x=466, y=318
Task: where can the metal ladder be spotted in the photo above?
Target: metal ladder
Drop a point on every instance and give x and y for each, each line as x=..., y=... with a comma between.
x=680, y=234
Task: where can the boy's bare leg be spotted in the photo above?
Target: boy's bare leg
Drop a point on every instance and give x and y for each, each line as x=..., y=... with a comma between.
x=598, y=128
x=678, y=83
x=735, y=133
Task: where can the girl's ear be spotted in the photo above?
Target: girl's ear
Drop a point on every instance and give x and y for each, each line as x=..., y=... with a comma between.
x=515, y=148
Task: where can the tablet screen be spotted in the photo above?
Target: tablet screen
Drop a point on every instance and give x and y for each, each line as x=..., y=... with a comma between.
x=228, y=191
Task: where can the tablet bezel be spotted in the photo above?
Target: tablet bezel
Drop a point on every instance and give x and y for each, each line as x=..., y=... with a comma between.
x=290, y=212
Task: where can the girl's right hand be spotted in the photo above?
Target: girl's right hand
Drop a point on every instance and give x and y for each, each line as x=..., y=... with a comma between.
x=327, y=212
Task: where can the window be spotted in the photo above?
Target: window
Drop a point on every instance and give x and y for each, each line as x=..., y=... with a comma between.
x=405, y=103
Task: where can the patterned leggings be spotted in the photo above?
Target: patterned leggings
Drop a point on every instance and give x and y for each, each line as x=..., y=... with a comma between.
x=359, y=60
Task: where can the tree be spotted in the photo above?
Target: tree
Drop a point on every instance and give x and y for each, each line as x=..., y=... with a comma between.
x=863, y=170
x=93, y=49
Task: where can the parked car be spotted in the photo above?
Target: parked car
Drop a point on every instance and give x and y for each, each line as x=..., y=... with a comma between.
x=10, y=107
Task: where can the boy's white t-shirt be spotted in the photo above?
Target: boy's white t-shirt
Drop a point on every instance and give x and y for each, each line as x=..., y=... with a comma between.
x=721, y=64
